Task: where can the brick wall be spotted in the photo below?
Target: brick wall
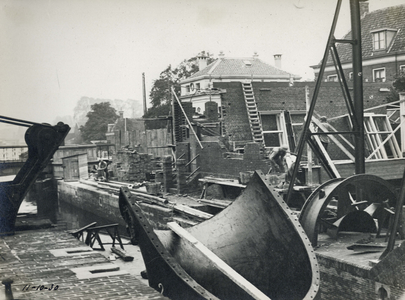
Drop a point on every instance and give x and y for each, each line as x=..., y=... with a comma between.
x=330, y=101
x=236, y=119
x=131, y=166
x=281, y=96
x=271, y=96
x=340, y=280
x=391, y=70
x=105, y=205
x=213, y=160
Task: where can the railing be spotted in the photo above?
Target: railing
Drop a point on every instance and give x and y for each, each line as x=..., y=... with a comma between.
x=192, y=173
x=193, y=159
x=211, y=129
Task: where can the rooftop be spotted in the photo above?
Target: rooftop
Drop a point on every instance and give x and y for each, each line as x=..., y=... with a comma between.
x=390, y=18
x=241, y=67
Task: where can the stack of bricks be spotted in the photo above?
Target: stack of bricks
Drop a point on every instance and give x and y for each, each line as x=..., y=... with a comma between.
x=130, y=166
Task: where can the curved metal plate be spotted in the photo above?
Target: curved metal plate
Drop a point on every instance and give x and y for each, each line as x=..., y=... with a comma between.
x=261, y=239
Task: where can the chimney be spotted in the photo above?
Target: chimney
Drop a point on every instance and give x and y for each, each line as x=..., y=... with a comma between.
x=363, y=8
x=202, y=60
x=277, y=61
x=255, y=55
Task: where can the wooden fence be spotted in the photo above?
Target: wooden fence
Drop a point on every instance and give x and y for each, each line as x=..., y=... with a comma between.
x=154, y=141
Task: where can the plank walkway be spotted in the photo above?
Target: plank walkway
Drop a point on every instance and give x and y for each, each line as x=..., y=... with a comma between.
x=38, y=259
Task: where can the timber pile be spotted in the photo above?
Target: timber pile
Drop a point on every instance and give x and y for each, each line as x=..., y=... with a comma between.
x=143, y=197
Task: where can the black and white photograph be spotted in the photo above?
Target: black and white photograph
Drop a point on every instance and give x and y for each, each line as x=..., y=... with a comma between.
x=202, y=150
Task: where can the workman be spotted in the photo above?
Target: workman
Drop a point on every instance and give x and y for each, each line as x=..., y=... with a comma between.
x=324, y=137
x=102, y=170
x=277, y=159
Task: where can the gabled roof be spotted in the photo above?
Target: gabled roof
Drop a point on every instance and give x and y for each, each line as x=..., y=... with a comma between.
x=387, y=18
x=240, y=67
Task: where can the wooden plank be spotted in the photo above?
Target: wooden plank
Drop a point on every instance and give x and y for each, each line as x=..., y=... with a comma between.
x=219, y=263
x=192, y=211
x=83, y=166
x=76, y=231
x=383, y=143
x=216, y=203
x=222, y=182
x=325, y=153
x=122, y=254
x=387, y=169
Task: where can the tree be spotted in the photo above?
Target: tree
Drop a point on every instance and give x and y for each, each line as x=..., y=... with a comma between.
x=99, y=117
x=160, y=94
x=397, y=86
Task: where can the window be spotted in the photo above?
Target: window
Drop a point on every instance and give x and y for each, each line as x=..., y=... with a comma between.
x=273, y=129
x=332, y=78
x=402, y=70
x=382, y=38
x=379, y=75
x=351, y=76
x=379, y=40
x=381, y=143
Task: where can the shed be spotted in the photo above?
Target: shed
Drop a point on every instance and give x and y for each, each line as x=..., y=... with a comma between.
x=75, y=167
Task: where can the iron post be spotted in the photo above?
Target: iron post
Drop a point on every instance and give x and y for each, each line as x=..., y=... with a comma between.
x=358, y=126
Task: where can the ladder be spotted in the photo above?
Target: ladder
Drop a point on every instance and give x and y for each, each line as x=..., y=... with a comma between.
x=253, y=114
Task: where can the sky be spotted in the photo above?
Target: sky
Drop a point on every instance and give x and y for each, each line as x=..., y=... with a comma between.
x=53, y=52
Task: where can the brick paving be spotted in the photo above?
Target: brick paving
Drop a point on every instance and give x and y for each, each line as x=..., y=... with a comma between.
x=26, y=259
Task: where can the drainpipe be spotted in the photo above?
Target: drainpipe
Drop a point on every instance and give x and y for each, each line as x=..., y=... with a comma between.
x=402, y=116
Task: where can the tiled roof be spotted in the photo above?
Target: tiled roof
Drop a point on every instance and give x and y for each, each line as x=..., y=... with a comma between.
x=388, y=18
x=241, y=67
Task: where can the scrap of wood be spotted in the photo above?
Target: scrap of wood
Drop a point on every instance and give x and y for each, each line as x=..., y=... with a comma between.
x=122, y=254
x=366, y=248
x=219, y=263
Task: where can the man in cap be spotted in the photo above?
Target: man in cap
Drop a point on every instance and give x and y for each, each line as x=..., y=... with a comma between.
x=324, y=137
x=277, y=159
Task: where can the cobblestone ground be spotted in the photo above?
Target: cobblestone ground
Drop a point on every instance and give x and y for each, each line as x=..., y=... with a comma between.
x=26, y=258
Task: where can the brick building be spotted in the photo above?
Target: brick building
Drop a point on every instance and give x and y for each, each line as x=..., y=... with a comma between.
x=261, y=113
x=383, y=46
x=198, y=88
x=274, y=99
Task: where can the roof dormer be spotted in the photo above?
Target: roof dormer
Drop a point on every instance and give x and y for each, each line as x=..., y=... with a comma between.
x=382, y=38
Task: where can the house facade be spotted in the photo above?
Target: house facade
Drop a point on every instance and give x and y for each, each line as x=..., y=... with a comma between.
x=383, y=46
x=199, y=88
x=245, y=100
x=202, y=94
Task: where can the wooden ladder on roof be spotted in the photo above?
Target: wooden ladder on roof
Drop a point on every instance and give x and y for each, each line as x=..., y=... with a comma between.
x=253, y=114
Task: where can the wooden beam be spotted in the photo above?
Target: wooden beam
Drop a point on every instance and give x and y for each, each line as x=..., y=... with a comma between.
x=341, y=147
x=327, y=157
x=216, y=203
x=192, y=211
x=219, y=263
x=383, y=143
